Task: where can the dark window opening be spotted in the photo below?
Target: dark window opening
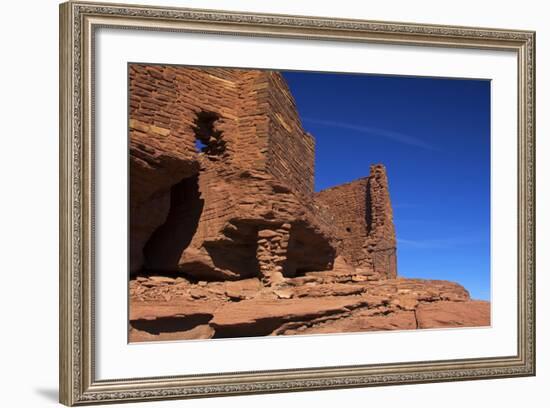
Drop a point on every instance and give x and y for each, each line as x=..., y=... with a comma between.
x=348, y=229
x=208, y=138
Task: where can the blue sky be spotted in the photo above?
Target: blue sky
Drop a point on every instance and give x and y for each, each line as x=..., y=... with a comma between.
x=433, y=136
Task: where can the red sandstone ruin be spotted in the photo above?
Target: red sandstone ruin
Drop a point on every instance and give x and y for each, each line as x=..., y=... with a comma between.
x=228, y=237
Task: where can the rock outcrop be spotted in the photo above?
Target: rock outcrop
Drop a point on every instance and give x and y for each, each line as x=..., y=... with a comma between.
x=228, y=237
x=173, y=308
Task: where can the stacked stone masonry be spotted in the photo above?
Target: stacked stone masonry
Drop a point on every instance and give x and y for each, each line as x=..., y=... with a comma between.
x=362, y=215
x=223, y=210
x=218, y=155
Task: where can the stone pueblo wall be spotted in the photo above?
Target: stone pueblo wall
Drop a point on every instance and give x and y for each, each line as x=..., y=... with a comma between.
x=361, y=211
x=215, y=199
x=228, y=238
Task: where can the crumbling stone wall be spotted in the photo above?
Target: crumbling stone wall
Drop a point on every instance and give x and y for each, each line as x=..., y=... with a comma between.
x=238, y=178
x=221, y=182
x=361, y=211
x=347, y=205
x=381, y=242
x=221, y=190
x=164, y=111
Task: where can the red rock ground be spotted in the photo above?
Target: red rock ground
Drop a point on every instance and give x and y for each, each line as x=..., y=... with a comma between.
x=164, y=308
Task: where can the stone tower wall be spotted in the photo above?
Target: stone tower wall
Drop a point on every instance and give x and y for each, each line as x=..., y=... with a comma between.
x=291, y=152
x=253, y=170
x=200, y=208
x=362, y=214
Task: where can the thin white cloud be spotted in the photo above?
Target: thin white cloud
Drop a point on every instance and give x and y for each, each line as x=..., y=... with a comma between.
x=443, y=243
x=426, y=243
x=385, y=133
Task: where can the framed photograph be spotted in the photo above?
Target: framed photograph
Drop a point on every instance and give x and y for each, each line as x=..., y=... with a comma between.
x=256, y=203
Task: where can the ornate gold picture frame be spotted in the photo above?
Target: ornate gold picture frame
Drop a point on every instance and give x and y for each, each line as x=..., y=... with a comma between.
x=78, y=25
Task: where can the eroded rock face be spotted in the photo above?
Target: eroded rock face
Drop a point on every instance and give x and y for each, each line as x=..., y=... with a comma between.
x=163, y=309
x=454, y=314
x=228, y=238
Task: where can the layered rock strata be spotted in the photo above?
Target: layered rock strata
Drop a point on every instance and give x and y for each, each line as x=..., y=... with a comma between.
x=164, y=308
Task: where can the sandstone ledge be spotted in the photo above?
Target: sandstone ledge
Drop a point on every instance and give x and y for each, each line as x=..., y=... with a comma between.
x=176, y=309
